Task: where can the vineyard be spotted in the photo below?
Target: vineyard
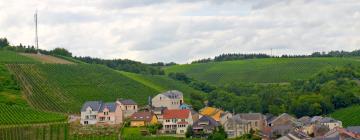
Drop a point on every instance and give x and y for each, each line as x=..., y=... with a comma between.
x=64, y=88
x=271, y=70
x=54, y=131
x=10, y=115
x=349, y=116
x=12, y=57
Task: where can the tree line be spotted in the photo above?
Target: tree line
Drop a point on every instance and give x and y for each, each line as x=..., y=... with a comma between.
x=240, y=56
x=323, y=93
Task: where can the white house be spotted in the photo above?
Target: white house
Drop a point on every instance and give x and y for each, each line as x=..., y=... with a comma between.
x=330, y=122
x=176, y=121
x=89, y=112
x=171, y=99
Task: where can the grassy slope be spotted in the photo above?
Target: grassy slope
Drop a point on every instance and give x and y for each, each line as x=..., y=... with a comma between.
x=12, y=57
x=349, y=116
x=271, y=70
x=162, y=83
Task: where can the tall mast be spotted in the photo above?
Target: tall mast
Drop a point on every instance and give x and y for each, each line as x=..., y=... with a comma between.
x=36, y=33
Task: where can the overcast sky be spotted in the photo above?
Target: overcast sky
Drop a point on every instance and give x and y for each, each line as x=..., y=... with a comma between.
x=183, y=30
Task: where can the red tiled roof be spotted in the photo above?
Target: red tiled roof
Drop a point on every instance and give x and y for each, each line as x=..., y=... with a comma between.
x=176, y=114
x=142, y=116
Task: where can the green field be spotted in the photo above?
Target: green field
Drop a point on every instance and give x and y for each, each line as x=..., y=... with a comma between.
x=271, y=70
x=52, y=131
x=64, y=88
x=12, y=57
x=11, y=115
x=133, y=133
x=162, y=83
x=349, y=116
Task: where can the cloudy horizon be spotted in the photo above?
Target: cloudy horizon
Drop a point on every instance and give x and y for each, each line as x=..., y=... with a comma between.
x=183, y=30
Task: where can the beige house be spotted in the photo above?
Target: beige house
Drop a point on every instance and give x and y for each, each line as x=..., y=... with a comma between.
x=236, y=126
x=97, y=112
x=128, y=107
x=171, y=99
x=257, y=120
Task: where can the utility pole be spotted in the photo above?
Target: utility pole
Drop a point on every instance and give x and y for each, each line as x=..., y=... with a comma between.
x=36, y=32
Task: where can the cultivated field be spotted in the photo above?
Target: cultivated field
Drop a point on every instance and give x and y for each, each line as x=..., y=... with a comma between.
x=272, y=70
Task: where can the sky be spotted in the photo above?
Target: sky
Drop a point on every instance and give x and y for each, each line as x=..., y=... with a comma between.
x=183, y=30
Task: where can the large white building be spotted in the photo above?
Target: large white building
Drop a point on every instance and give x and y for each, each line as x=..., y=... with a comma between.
x=171, y=99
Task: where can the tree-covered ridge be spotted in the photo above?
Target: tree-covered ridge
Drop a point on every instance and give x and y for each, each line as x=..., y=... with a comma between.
x=125, y=65
x=241, y=56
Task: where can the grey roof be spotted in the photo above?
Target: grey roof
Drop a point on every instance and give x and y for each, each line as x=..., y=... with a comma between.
x=354, y=129
x=211, y=121
x=237, y=119
x=111, y=106
x=251, y=116
x=315, y=118
x=127, y=102
x=94, y=105
x=328, y=120
x=173, y=94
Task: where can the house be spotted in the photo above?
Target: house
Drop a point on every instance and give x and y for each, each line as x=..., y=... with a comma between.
x=159, y=112
x=110, y=113
x=128, y=106
x=205, y=126
x=281, y=125
x=212, y=112
x=224, y=117
x=330, y=122
x=171, y=99
x=257, y=120
x=195, y=115
x=89, y=112
x=305, y=125
x=236, y=126
x=176, y=121
x=142, y=119
x=97, y=112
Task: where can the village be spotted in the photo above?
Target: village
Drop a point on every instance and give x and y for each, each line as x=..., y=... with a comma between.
x=169, y=111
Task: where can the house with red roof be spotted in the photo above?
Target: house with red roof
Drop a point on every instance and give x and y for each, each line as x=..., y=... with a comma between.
x=176, y=121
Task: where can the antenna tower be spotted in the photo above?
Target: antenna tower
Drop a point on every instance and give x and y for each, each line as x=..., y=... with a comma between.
x=36, y=33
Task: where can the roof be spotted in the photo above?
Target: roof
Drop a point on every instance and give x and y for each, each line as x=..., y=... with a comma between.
x=354, y=129
x=282, y=115
x=94, y=105
x=127, y=102
x=305, y=120
x=176, y=113
x=111, y=106
x=211, y=111
x=142, y=116
x=251, y=116
x=237, y=119
x=315, y=118
x=173, y=94
x=209, y=120
x=328, y=120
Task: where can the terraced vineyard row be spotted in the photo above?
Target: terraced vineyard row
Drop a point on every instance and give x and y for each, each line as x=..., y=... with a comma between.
x=54, y=131
x=10, y=115
x=64, y=88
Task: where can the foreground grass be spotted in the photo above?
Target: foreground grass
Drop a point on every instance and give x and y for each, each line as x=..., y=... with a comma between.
x=271, y=70
x=349, y=116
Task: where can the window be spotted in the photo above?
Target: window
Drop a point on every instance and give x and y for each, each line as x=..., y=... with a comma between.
x=160, y=98
x=256, y=124
x=134, y=107
x=125, y=107
x=86, y=122
x=109, y=118
x=106, y=113
x=181, y=131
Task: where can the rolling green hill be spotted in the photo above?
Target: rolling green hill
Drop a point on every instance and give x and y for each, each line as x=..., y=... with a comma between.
x=270, y=70
x=12, y=57
x=64, y=88
x=349, y=116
